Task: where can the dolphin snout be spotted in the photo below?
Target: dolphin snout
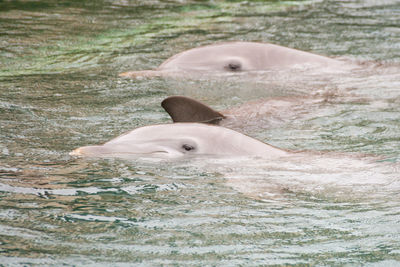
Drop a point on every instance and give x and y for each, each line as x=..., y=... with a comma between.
x=88, y=150
x=140, y=74
x=76, y=152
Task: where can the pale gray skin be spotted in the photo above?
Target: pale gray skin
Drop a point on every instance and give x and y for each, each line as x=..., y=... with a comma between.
x=181, y=140
x=236, y=57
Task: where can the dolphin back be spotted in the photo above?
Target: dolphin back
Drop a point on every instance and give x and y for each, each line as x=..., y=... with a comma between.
x=185, y=109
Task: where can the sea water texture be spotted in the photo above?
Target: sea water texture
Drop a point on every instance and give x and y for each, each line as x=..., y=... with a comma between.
x=334, y=203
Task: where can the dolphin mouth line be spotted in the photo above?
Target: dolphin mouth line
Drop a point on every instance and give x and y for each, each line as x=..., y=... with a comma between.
x=139, y=153
x=77, y=152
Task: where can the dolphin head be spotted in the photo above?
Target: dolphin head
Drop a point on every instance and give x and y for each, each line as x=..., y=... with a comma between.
x=222, y=58
x=180, y=140
x=226, y=57
x=234, y=57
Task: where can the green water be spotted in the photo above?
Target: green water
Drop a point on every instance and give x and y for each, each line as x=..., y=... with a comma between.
x=59, y=89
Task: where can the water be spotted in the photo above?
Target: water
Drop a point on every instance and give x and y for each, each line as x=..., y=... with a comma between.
x=335, y=203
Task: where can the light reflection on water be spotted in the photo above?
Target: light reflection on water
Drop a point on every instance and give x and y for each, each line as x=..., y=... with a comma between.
x=60, y=90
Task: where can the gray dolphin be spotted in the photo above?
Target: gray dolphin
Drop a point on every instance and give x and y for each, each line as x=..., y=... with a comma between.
x=234, y=57
x=186, y=109
x=181, y=140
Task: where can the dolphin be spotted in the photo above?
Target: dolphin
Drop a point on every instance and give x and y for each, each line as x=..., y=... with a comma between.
x=179, y=140
x=236, y=57
x=260, y=113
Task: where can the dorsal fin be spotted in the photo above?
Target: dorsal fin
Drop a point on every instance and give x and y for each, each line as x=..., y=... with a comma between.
x=185, y=109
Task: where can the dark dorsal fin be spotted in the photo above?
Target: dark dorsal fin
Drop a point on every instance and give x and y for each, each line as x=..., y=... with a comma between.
x=185, y=109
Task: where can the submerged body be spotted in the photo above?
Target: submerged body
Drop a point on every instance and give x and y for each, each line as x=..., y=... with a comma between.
x=181, y=140
x=236, y=57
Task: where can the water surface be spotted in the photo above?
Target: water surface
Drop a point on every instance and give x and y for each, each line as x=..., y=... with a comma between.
x=334, y=204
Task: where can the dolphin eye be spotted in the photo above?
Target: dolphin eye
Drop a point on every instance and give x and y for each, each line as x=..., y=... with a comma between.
x=233, y=66
x=187, y=147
